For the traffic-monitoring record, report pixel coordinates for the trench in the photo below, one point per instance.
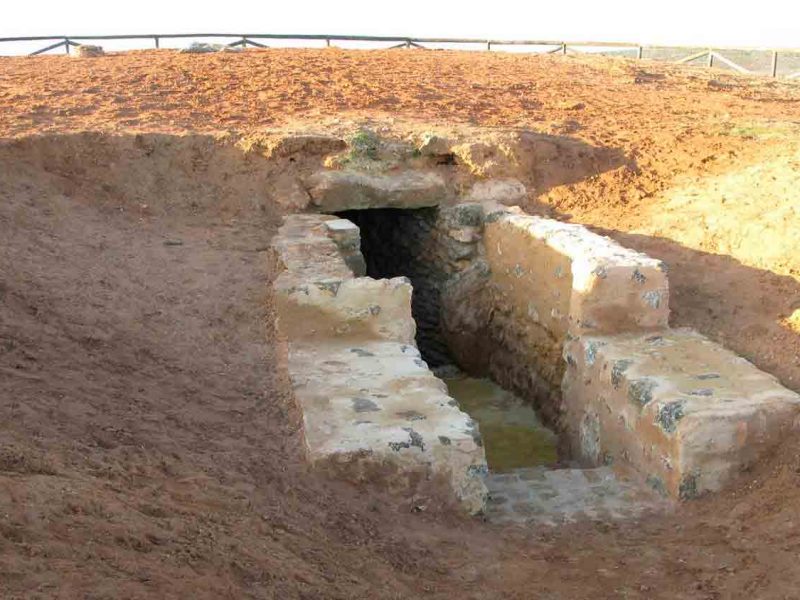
(414, 243)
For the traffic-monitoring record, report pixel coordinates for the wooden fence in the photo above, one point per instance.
(710, 56)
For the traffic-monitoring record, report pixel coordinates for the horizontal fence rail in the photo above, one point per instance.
(710, 56)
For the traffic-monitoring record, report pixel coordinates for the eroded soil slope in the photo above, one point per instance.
(146, 446)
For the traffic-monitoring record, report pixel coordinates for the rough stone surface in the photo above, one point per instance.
(333, 191)
(538, 281)
(372, 409)
(502, 191)
(550, 280)
(88, 51)
(684, 412)
(205, 48)
(543, 496)
(308, 144)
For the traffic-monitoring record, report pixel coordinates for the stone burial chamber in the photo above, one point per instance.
(373, 303)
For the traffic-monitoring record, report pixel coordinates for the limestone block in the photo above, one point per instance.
(502, 191)
(347, 237)
(333, 191)
(356, 309)
(375, 412)
(571, 279)
(684, 412)
(88, 51)
(372, 409)
(301, 237)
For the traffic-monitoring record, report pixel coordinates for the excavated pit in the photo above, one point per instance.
(431, 250)
(515, 312)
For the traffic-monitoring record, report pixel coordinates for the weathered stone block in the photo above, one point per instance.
(550, 280)
(375, 412)
(684, 412)
(372, 410)
(333, 191)
(579, 281)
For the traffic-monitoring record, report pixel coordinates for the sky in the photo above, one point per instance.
(766, 23)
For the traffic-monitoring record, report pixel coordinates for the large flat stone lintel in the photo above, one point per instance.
(333, 191)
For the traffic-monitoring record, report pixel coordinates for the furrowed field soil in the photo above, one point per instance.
(147, 445)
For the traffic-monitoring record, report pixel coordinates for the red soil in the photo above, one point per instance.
(146, 446)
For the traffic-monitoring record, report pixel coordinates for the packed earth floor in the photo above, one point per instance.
(148, 447)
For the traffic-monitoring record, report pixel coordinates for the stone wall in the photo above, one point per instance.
(372, 409)
(535, 284)
(565, 318)
(682, 411)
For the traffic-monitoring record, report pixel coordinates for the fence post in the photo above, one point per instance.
(639, 52)
(158, 45)
(66, 45)
(774, 63)
(489, 46)
(564, 48)
(710, 58)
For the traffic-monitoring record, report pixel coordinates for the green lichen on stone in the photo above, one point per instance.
(652, 298)
(657, 484)
(329, 286)
(361, 405)
(618, 369)
(640, 392)
(466, 214)
(414, 440)
(669, 415)
(361, 352)
(591, 351)
(688, 487)
(411, 415)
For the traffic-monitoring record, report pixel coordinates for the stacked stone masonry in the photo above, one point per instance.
(567, 319)
(684, 412)
(372, 410)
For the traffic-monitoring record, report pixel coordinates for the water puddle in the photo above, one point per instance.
(513, 436)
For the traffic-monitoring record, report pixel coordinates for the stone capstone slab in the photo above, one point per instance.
(333, 191)
(681, 410)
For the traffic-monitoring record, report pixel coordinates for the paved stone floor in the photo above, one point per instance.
(539, 495)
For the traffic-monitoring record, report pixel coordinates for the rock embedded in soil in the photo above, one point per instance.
(333, 191)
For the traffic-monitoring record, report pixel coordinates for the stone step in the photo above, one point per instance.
(543, 496)
(682, 411)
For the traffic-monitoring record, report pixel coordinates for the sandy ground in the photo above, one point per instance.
(146, 447)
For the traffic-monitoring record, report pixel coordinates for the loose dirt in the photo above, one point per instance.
(147, 445)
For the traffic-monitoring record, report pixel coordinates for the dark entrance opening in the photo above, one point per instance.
(402, 242)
